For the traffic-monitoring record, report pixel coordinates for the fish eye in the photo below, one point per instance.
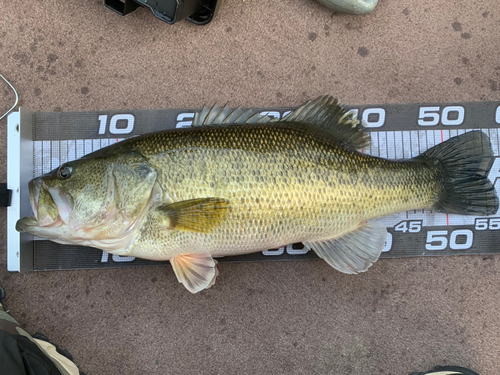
(64, 172)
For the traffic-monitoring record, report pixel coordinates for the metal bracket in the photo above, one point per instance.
(19, 172)
(17, 97)
(6, 194)
(200, 12)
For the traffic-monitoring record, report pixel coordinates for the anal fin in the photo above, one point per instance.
(195, 271)
(355, 251)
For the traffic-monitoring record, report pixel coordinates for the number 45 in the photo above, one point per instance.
(409, 226)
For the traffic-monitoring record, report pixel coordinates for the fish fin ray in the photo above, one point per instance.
(217, 115)
(355, 251)
(200, 116)
(226, 110)
(465, 162)
(234, 115)
(195, 271)
(195, 215)
(327, 113)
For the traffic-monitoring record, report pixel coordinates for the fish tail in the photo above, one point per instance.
(463, 164)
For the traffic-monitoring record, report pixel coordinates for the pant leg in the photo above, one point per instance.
(10, 326)
(51, 351)
(8, 323)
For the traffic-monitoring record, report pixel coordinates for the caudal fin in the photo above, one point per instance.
(464, 162)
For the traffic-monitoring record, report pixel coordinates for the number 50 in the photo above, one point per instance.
(438, 239)
(430, 116)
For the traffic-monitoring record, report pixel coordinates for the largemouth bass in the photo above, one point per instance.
(238, 182)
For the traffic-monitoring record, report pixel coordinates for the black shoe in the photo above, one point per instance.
(447, 370)
(2, 297)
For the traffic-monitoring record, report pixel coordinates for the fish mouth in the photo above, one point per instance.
(51, 205)
(34, 189)
(31, 225)
(26, 223)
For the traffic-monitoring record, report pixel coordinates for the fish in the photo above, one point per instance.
(239, 182)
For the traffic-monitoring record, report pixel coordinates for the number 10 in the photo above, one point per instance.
(113, 128)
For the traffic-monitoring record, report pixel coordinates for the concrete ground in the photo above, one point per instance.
(274, 318)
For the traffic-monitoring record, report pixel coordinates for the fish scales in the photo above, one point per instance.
(238, 182)
(285, 183)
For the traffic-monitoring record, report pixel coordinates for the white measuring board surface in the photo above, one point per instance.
(398, 131)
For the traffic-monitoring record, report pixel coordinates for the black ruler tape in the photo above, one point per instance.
(409, 237)
(390, 117)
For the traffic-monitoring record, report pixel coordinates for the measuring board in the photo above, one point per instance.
(40, 141)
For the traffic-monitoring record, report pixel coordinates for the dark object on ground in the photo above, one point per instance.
(200, 12)
(2, 297)
(5, 196)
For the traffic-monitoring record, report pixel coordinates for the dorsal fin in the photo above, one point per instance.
(218, 115)
(327, 113)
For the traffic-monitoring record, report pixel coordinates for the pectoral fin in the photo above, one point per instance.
(195, 215)
(355, 251)
(195, 271)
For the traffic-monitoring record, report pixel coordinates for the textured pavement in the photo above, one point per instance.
(280, 317)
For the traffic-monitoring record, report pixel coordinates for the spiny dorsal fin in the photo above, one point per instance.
(327, 113)
(218, 115)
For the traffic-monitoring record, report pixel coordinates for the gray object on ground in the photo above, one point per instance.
(447, 370)
(350, 6)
